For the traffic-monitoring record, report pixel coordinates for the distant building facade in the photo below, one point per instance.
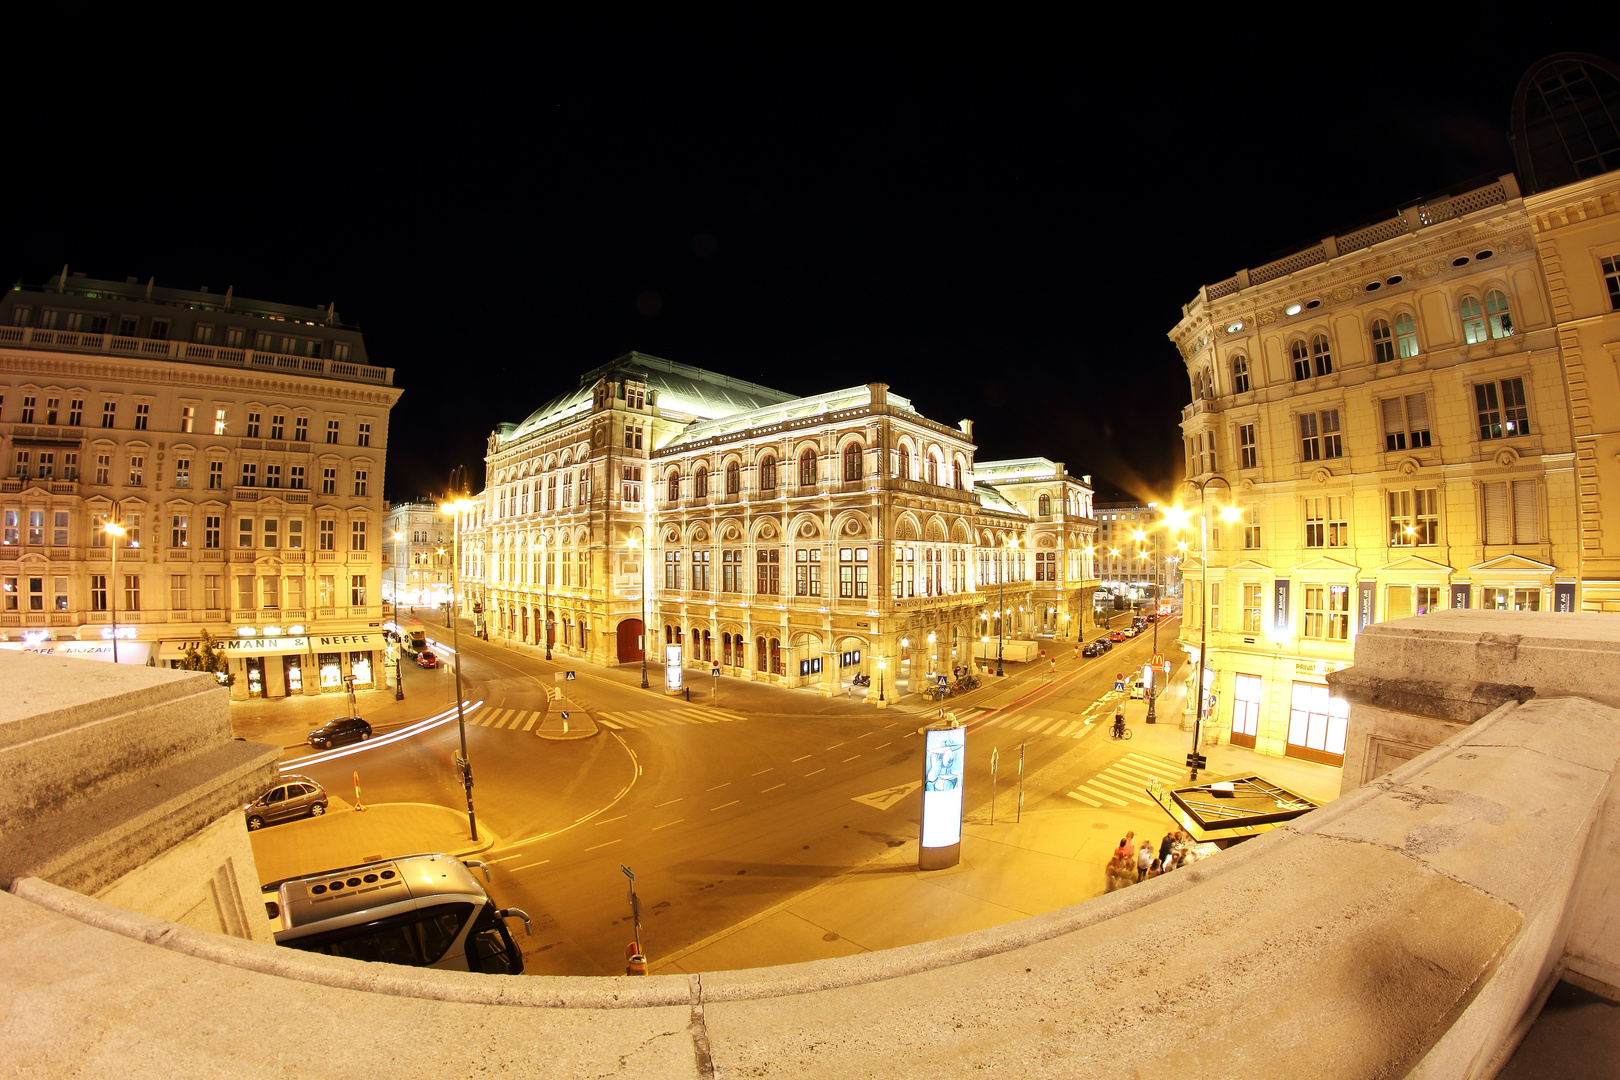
(1135, 555)
(794, 540)
(416, 537)
(240, 444)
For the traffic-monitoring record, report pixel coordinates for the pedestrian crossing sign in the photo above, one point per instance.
(1119, 684)
(715, 671)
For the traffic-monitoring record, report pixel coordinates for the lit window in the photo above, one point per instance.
(1502, 416)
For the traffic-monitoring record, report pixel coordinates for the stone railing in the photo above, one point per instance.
(28, 337)
(1409, 928)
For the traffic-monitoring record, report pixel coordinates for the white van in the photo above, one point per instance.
(422, 910)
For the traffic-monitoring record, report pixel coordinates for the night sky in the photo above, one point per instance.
(1000, 219)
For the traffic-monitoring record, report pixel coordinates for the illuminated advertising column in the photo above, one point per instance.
(672, 669)
(943, 761)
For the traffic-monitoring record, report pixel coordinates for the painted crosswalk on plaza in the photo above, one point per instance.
(510, 719)
(649, 718)
(1125, 782)
(1062, 727)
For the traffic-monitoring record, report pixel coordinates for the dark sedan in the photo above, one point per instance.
(345, 729)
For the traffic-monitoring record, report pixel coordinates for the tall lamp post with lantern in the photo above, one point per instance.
(116, 531)
(455, 508)
(1001, 615)
(1228, 513)
(399, 637)
(633, 542)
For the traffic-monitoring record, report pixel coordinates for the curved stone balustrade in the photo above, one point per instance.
(1407, 929)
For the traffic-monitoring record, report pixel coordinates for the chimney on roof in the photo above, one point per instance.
(880, 393)
(132, 281)
(228, 290)
(149, 283)
(1086, 479)
(203, 289)
(1059, 472)
(966, 426)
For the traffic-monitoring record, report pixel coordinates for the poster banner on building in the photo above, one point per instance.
(1279, 607)
(1365, 612)
(1459, 594)
(672, 669)
(1563, 596)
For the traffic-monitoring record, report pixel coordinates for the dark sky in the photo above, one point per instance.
(999, 218)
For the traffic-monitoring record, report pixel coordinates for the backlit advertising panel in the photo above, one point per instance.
(672, 669)
(942, 796)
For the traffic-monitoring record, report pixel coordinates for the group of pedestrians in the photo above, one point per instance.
(1132, 863)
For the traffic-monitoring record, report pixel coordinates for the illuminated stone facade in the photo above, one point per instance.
(795, 540)
(1386, 413)
(240, 443)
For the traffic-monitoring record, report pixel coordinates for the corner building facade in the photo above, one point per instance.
(793, 540)
(240, 444)
(1386, 412)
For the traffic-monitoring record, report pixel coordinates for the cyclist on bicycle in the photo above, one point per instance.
(1119, 725)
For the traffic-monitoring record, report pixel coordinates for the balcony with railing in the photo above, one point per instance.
(29, 337)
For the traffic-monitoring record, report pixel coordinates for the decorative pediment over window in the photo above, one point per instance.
(1413, 564)
(1511, 564)
(1322, 474)
(1248, 565)
(1324, 565)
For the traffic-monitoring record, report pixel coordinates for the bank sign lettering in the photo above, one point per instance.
(1279, 621)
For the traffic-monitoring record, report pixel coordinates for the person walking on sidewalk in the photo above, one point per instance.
(1165, 847)
(1144, 859)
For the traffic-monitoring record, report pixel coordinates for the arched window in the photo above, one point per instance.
(852, 461)
(957, 475)
(700, 484)
(1240, 374)
(1498, 315)
(1322, 354)
(767, 473)
(933, 469)
(674, 488)
(733, 478)
(905, 462)
(1301, 355)
(776, 657)
(1198, 385)
(1383, 341)
(1209, 384)
(807, 468)
(1406, 342)
(759, 651)
(1473, 319)
(1045, 504)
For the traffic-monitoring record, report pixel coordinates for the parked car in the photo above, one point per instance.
(1117, 635)
(427, 658)
(1138, 691)
(293, 796)
(345, 729)
(1091, 648)
(1103, 644)
(1153, 616)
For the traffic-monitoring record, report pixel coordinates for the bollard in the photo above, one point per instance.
(634, 962)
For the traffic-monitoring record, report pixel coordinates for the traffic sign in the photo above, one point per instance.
(941, 682)
(1197, 761)
(625, 870)
(564, 715)
(570, 676)
(715, 671)
(1119, 684)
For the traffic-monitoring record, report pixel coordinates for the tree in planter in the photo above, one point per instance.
(209, 658)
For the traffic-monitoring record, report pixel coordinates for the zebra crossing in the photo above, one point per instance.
(508, 719)
(1124, 783)
(1061, 727)
(649, 718)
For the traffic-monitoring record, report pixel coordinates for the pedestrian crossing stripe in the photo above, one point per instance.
(1062, 727)
(509, 719)
(648, 718)
(1125, 782)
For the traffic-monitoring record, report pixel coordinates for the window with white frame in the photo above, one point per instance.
(1325, 612)
(1501, 408)
(1510, 599)
(1253, 603)
(630, 490)
(1406, 422)
(1251, 528)
(1414, 517)
(1320, 437)
(1321, 355)
(1248, 450)
(1240, 374)
(1485, 321)
(1512, 511)
(1383, 341)
(1326, 524)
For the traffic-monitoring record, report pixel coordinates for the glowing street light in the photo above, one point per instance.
(116, 531)
(455, 509)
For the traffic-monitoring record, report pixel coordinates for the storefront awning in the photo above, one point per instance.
(129, 652)
(1230, 809)
(235, 646)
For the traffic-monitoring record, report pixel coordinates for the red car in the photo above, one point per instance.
(427, 659)
(1118, 635)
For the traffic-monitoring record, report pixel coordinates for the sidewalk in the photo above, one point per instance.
(344, 836)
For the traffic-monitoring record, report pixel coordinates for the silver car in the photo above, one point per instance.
(294, 797)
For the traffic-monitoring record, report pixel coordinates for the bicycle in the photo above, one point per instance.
(1121, 732)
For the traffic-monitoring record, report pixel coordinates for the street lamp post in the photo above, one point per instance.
(882, 666)
(116, 531)
(633, 542)
(1229, 513)
(455, 510)
(399, 638)
(1001, 615)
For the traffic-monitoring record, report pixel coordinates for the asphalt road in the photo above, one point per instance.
(721, 813)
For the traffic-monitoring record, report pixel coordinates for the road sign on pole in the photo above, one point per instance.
(627, 872)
